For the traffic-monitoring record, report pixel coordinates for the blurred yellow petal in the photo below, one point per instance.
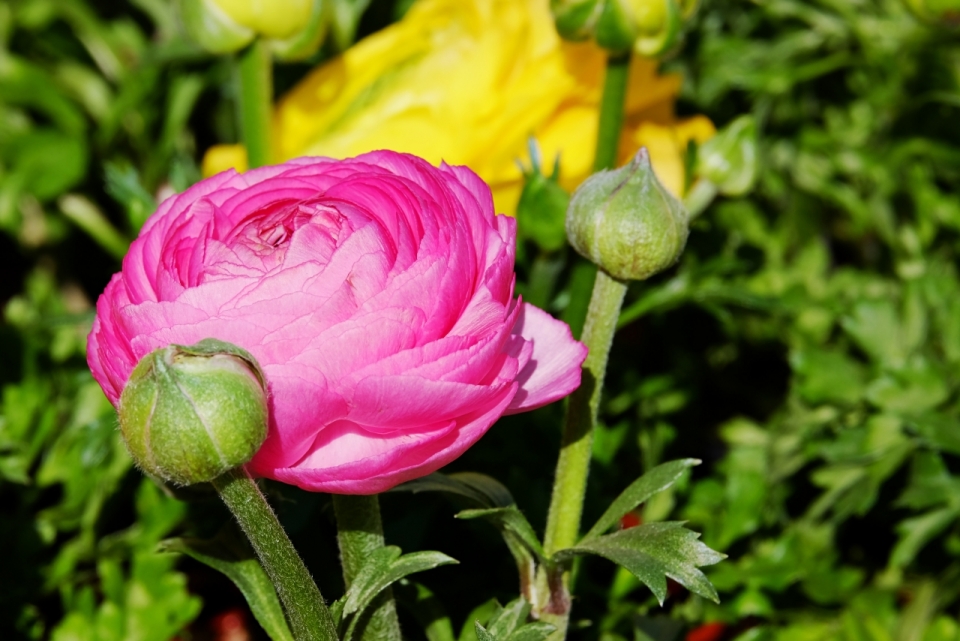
(667, 145)
(468, 82)
(223, 157)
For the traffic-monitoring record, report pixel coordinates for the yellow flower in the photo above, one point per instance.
(468, 81)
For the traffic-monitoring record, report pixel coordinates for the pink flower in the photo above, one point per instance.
(377, 295)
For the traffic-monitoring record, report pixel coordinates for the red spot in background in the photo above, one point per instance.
(230, 625)
(630, 519)
(707, 632)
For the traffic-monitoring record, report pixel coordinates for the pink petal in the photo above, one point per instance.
(554, 367)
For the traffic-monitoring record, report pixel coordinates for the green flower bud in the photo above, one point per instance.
(729, 159)
(294, 28)
(189, 414)
(575, 19)
(211, 28)
(651, 27)
(543, 205)
(626, 222)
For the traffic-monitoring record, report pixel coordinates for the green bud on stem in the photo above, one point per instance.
(729, 159)
(294, 29)
(575, 19)
(626, 222)
(189, 414)
(650, 27)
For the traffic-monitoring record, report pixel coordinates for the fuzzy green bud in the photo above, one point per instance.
(626, 222)
(575, 19)
(729, 159)
(189, 414)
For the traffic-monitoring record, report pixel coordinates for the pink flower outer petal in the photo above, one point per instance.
(554, 367)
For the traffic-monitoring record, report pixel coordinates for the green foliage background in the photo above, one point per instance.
(807, 347)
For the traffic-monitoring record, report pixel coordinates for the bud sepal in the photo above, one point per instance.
(190, 413)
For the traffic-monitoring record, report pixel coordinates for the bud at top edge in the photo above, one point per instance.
(190, 413)
(575, 19)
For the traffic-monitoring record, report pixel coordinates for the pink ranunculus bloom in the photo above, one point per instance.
(377, 295)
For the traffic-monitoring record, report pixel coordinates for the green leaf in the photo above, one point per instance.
(124, 185)
(230, 554)
(510, 624)
(509, 618)
(542, 208)
(482, 613)
(918, 531)
(653, 552)
(512, 521)
(484, 491)
(423, 604)
(536, 631)
(656, 480)
(384, 567)
(482, 634)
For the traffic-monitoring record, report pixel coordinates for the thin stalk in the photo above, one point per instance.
(255, 72)
(566, 504)
(611, 111)
(309, 617)
(360, 532)
(573, 466)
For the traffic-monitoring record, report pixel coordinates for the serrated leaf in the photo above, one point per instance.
(512, 520)
(654, 551)
(482, 634)
(483, 490)
(384, 567)
(509, 618)
(230, 555)
(656, 480)
(510, 624)
(536, 631)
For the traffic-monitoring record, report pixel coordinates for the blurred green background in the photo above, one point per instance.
(807, 346)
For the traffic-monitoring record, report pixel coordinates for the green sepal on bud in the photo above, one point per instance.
(626, 222)
(576, 19)
(542, 208)
(210, 27)
(650, 27)
(294, 29)
(189, 414)
(729, 159)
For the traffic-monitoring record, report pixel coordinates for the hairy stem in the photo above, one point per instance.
(309, 617)
(360, 532)
(573, 466)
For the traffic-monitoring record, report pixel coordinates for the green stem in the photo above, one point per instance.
(255, 70)
(309, 618)
(611, 111)
(360, 532)
(566, 504)
(573, 466)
